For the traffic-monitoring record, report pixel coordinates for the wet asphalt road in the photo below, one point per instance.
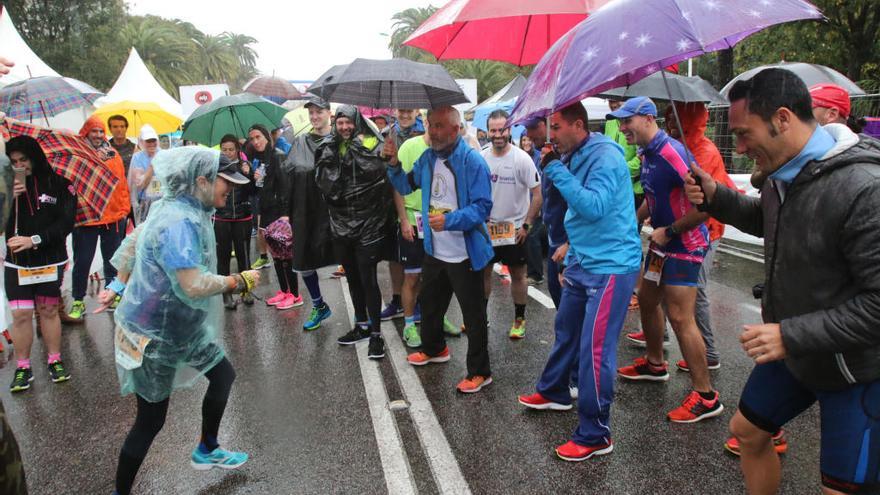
(300, 408)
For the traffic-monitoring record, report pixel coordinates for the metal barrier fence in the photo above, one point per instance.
(718, 131)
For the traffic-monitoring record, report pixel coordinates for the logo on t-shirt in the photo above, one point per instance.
(439, 187)
(45, 198)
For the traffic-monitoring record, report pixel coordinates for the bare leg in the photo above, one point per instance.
(519, 286)
(410, 292)
(22, 332)
(653, 320)
(680, 307)
(759, 462)
(50, 327)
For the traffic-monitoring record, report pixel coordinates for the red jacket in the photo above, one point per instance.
(694, 117)
(119, 204)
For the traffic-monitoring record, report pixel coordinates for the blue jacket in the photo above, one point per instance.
(554, 212)
(601, 217)
(474, 192)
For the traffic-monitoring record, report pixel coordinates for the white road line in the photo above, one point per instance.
(750, 307)
(542, 298)
(395, 465)
(533, 292)
(444, 466)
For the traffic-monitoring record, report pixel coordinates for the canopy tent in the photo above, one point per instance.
(510, 91)
(136, 83)
(27, 63)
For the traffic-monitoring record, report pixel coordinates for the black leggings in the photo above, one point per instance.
(233, 235)
(360, 263)
(287, 279)
(151, 418)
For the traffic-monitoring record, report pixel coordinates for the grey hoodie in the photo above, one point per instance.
(822, 261)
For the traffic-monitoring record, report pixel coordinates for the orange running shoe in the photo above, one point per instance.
(573, 452)
(780, 444)
(696, 408)
(473, 384)
(421, 359)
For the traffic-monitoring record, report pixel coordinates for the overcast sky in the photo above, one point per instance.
(298, 39)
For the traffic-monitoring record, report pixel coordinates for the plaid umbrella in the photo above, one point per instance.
(395, 83)
(73, 158)
(41, 97)
(272, 87)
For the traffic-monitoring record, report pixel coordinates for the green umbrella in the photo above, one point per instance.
(231, 115)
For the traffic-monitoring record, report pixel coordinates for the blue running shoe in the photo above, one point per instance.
(417, 313)
(392, 311)
(220, 458)
(318, 314)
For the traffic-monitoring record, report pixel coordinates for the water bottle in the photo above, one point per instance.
(261, 170)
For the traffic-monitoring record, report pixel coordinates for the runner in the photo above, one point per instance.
(516, 203)
(141, 183)
(457, 244)
(41, 218)
(602, 266)
(118, 125)
(672, 266)
(169, 322)
(312, 239)
(821, 333)
(351, 175)
(232, 221)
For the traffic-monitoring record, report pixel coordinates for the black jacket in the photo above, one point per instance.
(238, 203)
(275, 193)
(48, 209)
(355, 186)
(822, 261)
(309, 218)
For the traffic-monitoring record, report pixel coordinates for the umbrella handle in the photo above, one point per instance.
(700, 207)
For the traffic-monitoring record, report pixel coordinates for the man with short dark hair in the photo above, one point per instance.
(118, 125)
(602, 265)
(456, 203)
(820, 340)
(672, 265)
(516, 202)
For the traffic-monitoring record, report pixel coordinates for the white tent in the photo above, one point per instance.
(136, 83)
(12, 46)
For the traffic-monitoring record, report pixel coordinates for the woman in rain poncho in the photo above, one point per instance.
(170, 317)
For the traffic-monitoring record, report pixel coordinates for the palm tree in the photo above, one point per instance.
(405, 23)
(167, 53)
(241, 46)
(217, 59)
(491, 76)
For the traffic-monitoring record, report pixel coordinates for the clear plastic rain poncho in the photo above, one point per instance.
(170, 319)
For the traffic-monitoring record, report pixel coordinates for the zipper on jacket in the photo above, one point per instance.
(482, 227)
(844, 370)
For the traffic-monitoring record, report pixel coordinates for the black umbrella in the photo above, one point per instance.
(811, 74)
(396, 83)
(680, 88)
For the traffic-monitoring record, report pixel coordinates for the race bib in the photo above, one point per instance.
(438, 210)
(502, 233)
(420, 225)
(656, 260)
(155, 188)
(129, 348)
(43, 274)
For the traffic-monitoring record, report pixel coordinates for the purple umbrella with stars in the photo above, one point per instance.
(627, 40)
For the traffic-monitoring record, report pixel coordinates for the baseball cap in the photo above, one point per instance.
(830, 96)
(147, 133)
(314, 100)
(640, 105)
(229, 170)
(533, 122)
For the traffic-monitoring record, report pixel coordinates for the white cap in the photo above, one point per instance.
(147, 133)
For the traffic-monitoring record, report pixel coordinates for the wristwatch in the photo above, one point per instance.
(36, 240)
(671, 231)
(526, 227)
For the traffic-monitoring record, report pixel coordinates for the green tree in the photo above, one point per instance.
(78, 39)
(166, 50)
(217, 59)
(405, 24)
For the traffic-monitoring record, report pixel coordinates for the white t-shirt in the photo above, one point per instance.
(448, 245)
(513, 177)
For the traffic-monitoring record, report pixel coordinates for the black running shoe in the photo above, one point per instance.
(377, 347)
(356, 335)
(21, 380)
(57, 372)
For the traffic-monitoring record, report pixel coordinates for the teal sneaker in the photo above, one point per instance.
(220, 458)
(411, 336)
(450, 328)
(318, 314)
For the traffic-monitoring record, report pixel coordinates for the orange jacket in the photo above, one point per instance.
(119, 204)
(694, 117)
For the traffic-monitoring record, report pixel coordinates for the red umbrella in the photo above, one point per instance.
(515, 31)
(73, 158)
